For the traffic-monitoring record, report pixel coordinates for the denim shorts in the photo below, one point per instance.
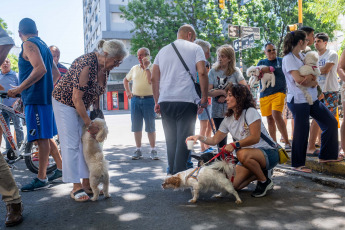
(203, 116)
(143, 109)
(271, 156)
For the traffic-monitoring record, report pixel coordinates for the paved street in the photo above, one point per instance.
(138, 201)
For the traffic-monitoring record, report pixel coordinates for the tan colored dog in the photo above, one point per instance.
(94, 158)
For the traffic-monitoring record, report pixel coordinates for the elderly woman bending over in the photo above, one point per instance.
(243, 122)
(81, 86)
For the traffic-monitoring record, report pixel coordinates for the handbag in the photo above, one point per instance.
(283, 156)
(196, 84)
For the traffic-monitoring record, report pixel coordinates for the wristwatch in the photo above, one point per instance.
(237, 144)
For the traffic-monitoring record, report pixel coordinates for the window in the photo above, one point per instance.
(116, 18)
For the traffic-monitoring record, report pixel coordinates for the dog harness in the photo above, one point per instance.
(192, 174)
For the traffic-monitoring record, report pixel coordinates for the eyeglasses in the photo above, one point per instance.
(269, 50)
(117, 62)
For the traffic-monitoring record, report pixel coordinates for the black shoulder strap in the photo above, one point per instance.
(184, 64)
(262, 135)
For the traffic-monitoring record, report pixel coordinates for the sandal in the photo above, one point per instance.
(340, 158)
(302, 169)
(314, 154)
(77, 196)
(89, 192)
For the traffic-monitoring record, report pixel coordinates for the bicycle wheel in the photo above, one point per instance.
(32, 162)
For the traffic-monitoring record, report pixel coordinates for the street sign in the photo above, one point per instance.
(236, 45)
(248, 41)
(243, 2)
(246, 30)
(233, 31)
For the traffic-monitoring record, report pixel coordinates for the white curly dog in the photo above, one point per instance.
(310, 67)
(267, 79)
(94, 158)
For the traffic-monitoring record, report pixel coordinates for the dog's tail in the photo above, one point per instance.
(222, 165)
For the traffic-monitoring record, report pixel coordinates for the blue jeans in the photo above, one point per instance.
(143, 109)
(326, 121)
(18, 127)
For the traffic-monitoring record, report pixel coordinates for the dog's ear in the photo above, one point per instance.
(198, 158)
(102, 133)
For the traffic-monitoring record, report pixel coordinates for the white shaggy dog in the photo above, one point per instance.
(310, 67)
(94, 158)
(267, 80)
(211, 177)
(251, 71)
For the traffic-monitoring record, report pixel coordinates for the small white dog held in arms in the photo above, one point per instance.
(94, 158)
(310, 67)
(253, 79)
(212, 177)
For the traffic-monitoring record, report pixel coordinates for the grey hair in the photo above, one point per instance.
(114, 48)
(147, 51)
(204, 44)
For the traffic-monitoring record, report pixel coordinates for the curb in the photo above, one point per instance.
(322, 179)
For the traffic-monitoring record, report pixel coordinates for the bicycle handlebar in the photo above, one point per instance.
(3, 94)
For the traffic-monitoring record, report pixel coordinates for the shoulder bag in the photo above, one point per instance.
(196, 84)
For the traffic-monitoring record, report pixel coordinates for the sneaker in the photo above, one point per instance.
(154, 155)
(287, 148)
(209, 150)
(262, 188)
(36, 184)
(137, 155)
(56, 175)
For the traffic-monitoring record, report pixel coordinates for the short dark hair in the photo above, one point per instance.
(323, 36)
(307, 29)
(27, 26)
(269, 43)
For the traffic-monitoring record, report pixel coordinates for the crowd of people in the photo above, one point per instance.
(57, 101)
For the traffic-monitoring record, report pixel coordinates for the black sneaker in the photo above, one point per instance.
(262, 188)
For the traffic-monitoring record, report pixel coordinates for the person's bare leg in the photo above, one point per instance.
(278, 118)
(43, 149)
(54, 151)
(342, 130)
(152, 139)
(208, 132)
(203, 127)
(272, 127)
(292, 127)
(314, 130)
(137, 137)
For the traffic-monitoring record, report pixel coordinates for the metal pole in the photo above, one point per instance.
(300, 13)
(240, 48)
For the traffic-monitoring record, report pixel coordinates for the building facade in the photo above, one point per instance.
(102, 20)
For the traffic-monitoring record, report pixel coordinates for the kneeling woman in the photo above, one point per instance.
(243, 122)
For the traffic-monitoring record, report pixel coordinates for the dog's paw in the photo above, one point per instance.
(238, 201)
(192, 201)
(107, 195)
(94, 198)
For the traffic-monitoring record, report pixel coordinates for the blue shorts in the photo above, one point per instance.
(271, 156)
(143, 109)
(203, 116)
(40, 123)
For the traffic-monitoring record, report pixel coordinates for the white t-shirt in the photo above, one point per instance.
(239, 129)
(291, 62)
(175, 82)
(329, 82)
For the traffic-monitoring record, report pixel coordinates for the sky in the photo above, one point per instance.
(59, 22)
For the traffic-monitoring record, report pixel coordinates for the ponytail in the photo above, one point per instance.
(291, 40)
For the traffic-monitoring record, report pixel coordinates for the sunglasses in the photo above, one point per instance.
(269, 50)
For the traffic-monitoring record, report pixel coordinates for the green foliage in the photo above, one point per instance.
(157, 21)
(14, 62)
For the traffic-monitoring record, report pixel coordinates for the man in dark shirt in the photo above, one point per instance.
(272, 99)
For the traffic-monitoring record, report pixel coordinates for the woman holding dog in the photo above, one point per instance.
(223, 72)
(294, 43)
(81, 86)
(255, 155)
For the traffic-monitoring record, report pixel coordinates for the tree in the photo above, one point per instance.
(156, 21)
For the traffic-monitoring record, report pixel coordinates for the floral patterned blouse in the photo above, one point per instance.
(64, 89)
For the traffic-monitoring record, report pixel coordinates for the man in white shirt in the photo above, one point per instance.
(175, 95)
(328, 81)
(142, 103)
